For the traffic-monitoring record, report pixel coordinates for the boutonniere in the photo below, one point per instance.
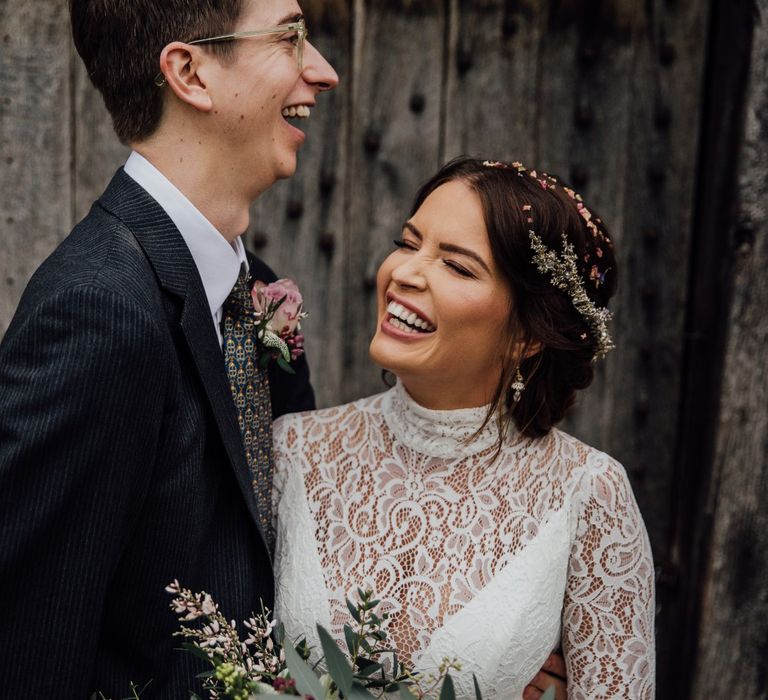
(279, 313)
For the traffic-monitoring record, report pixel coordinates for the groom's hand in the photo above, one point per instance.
(552, 673)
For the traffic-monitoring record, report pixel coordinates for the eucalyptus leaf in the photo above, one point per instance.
(447, 692)
(478, 694)
(353, 611)
(306, 680)
(336, 662)
(350, 638)
(549, 694)
(366, 667)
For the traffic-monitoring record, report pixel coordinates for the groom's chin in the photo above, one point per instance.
(286, 168)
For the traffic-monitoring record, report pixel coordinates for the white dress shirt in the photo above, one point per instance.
(217, 261)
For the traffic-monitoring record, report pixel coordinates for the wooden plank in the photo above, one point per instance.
(97, 150)
(492, 82)
(632, 126)
(300, 225)
(394, 146)
(627, 141)
(732, 639)
(35, 126)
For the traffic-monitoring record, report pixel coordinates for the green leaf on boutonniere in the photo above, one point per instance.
(283, 365)
(447, 692)
(306, 680)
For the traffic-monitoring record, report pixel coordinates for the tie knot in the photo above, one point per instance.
(240, 296)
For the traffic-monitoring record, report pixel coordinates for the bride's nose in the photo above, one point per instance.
(409, 273)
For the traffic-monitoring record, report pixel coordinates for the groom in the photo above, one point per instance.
(121, 457)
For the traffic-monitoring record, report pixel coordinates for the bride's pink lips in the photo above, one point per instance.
(388, 329)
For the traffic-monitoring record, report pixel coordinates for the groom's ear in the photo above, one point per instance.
(184, 69)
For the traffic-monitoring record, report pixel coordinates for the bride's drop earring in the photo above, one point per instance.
(518, 386)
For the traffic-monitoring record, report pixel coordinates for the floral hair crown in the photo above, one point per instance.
(563, 266)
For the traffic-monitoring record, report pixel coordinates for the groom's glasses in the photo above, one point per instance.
(299, 27)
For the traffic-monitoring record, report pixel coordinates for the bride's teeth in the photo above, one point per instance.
(302, 111)
(407, 320)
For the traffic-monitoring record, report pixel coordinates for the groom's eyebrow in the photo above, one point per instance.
(450, 247)
(289, 19)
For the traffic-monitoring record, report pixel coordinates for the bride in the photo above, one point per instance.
(490, 535)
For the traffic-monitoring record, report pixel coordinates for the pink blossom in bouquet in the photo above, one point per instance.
(286, 318)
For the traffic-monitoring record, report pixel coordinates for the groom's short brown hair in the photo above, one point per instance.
(120, 43)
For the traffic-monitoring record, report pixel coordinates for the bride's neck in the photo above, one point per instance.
(440, 396)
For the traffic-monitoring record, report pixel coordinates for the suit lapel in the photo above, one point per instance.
(176, 271)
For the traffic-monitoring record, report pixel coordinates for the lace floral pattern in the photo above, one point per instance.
(543, 545)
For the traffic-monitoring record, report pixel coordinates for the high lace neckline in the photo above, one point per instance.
(438, 433)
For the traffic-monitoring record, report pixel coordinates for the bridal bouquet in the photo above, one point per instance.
(265, 664)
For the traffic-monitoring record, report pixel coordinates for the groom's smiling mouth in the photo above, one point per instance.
(300, 111)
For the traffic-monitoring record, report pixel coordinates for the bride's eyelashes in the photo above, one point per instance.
(458, 268)
(404, 244)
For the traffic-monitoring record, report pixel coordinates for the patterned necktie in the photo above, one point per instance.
(249, 384)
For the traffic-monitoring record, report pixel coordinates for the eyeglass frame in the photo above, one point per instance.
(299, 26)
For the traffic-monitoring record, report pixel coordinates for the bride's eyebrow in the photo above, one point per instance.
(450, 247)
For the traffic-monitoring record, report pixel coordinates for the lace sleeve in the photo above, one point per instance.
(608, 613)
(284, 436)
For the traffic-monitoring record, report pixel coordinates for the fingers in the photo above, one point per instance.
(555, 664)
(531, 693)
(541, 682)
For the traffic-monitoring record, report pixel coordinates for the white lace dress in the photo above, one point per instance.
(494, 563)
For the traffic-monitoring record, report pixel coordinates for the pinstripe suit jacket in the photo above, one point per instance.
(121, 462)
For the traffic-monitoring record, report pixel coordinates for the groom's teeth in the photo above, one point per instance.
(406, 319)
(300, 111)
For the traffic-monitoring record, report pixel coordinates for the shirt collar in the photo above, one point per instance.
(217, 261)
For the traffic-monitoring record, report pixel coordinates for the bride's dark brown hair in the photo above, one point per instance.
(542, 319)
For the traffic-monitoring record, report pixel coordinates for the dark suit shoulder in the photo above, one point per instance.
(99, 253)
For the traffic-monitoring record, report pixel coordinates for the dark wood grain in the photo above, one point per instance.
(35, 141)
(301, 226)
(393, 148)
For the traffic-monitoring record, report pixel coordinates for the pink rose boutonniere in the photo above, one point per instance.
(279, 312)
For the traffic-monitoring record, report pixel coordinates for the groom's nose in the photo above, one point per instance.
(317, 71)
